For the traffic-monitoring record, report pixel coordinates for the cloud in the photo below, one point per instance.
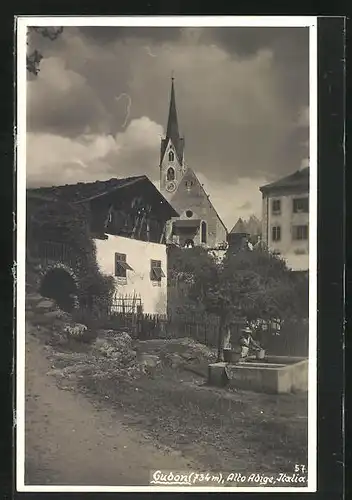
(246, 41)
(237, 98)
(59, 160)
(60, 101)
(108, 34)
(231, 199)
(53, 159)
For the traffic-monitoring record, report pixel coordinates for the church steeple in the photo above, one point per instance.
(172, 130)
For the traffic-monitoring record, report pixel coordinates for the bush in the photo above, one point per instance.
(96, 289)
(68, 224)
(255, 285)
(185, 266)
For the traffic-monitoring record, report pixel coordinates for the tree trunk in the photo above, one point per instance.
(220, 339)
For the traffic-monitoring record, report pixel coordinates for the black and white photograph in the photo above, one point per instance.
(166, 254)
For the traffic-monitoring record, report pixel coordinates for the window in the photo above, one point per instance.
(189, 184)
(156, 273)
(189, 244)
(301, 205)
(189, 213)
(203, 232)
(276, 233)
(300, 232)
(171, 156)
(121, 265)
(276, 207)
(170, 175)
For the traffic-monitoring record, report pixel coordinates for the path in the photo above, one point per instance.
(70, 442)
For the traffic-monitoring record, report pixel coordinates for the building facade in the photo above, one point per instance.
(285, 219)
(139, 268)
(198, 223)
(127, 219)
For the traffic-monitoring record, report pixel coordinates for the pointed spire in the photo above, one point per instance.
(172, 131)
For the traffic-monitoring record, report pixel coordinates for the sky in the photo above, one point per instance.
(98, 107)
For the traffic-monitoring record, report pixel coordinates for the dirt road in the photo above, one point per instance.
(70, 442)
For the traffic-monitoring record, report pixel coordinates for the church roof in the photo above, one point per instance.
(172, 130)
(299, 179)
(190, 172)
(239, 227)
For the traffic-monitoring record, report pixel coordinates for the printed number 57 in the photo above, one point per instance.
(300, 468)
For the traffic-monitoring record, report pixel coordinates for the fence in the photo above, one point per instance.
(126, 304)
(150, 326)
(290, 340)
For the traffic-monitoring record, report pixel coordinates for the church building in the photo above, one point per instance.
(198, 223)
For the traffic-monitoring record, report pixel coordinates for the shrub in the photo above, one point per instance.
(65, 223)
(251, 285)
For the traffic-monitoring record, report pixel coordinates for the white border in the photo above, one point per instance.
(177, 21)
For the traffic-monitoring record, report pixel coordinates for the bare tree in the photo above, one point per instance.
(34, 58)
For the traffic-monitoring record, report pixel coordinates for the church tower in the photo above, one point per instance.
(172, 166)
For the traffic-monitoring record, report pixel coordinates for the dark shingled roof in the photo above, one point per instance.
(32, 195)
(297, 179)
(239, 227)
(83, 191)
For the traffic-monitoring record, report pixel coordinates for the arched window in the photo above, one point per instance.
(203, 230)
(170, 175)
(189, 244)
(171, 156)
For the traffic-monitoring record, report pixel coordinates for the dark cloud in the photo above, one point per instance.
(247, 41)
(110, 34)
(69, 115)
(288, 45)
(290, 48)
(237, 104)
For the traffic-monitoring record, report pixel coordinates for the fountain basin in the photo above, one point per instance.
(274, 374)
